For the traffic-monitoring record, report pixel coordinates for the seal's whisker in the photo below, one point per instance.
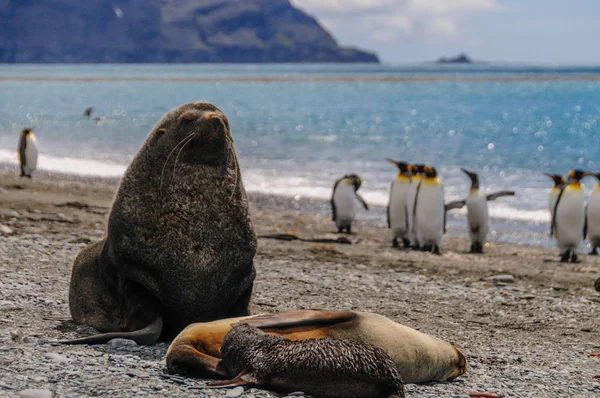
(179, 153)
(162, 174)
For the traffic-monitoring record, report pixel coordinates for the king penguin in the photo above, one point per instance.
(430, 213)
(477, 211)
(28, 152)
(397, 209)
(342, 201)
(593, 217)
(568, 217)
(559, 181)
(416, 171)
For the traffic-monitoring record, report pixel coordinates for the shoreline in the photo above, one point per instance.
(306, 79)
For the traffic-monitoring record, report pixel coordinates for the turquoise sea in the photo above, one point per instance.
(297, 128)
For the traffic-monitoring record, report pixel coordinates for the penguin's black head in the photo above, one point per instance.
(417, 168)
(27, 130)
(559, 180)
(474, 178)
(430, 172)
(402, 166)
(356, 181)
(577, 175)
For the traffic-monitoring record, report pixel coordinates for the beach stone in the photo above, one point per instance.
(501, 278)
(35, 393)
(236, 392)
(16, 335)
(55, 357)
(121, 343)
(4, 230)
(296, 394)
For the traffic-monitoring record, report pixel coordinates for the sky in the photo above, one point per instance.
(545, 32)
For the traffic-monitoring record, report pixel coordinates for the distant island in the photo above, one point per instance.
(459, 59)
(136, 31)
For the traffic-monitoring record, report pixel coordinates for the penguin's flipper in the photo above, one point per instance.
(445, 216)
(389, 202)
(22, 146)
(499, 194)
(361, 200)
(333, 210)
(553, 221)
(457, 204)
(585, 223)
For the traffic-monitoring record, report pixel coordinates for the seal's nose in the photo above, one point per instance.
(216, 125)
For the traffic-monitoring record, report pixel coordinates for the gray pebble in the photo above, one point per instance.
(296, 394)
(502, 278)
(236, 392)
(16, 335)
(4, 230)
(33, 393)
(55, 357)
(121, 343)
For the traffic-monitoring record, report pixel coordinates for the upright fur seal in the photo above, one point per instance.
(180, 243)
(418, 357)
(323, 368)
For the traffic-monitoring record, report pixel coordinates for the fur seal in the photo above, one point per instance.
(418, 357)
(323, 368)
(597, 285)
(180, 244)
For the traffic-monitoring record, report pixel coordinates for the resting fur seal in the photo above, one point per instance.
(180, 243)
(323, 368)
(419, 357)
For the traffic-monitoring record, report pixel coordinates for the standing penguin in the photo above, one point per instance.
(416, 171)
(28, 152)
(559, 181)
(593, 217)
(430, 213)
(342, 201)
(568, 217)
(397, 209)
(477, 211)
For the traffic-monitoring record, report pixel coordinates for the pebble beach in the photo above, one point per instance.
(527, 324)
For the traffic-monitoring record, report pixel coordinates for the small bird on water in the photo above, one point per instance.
(28, 152)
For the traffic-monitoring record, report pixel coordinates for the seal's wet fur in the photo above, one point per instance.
(180, 243)
(323, 368)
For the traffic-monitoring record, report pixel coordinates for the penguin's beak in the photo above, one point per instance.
(472, 176)
(393, 161)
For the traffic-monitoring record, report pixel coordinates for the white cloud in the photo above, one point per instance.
(389, 20)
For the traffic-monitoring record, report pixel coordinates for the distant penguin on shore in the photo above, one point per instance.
(28, 152)
(416, 171)
(568, 219)
(477, 211)
(592, 215)
(397, 209)
(88, 112)
(342, 201)
(559, 181)
(430, 212)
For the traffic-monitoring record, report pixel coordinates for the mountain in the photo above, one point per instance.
(459, 59)
(165, 31)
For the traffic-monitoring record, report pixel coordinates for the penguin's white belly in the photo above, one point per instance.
(593, 215)
(430, 215)
(477, 216)
(399, 209)
(31, 154)
(570, 218)
(344, 198)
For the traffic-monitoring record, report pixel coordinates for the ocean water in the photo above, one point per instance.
(300, 131)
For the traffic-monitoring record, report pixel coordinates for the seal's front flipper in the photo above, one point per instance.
(187, 359)
(146, 336)
(291, 319)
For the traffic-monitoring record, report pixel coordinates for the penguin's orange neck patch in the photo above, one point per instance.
(402, 177)
(432, 181)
